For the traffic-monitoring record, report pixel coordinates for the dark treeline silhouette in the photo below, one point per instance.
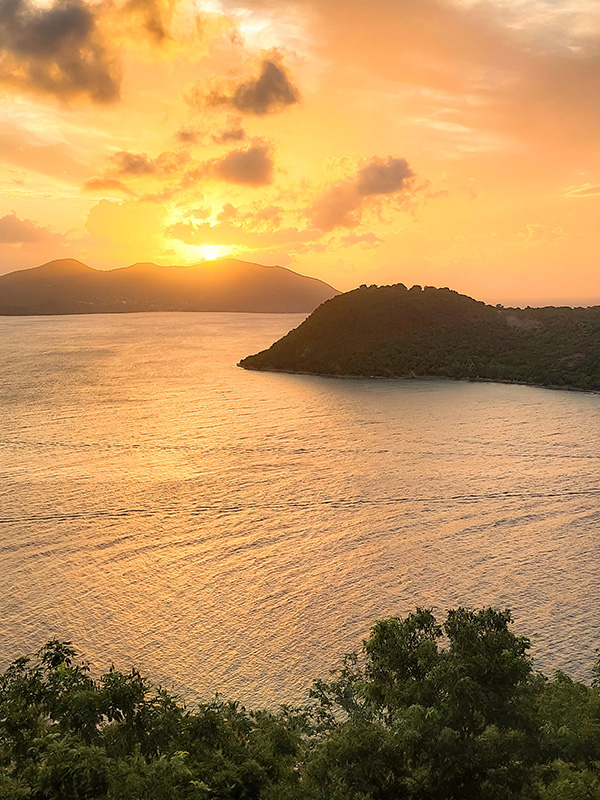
(424, 711)
(70, 287)
(392, 331)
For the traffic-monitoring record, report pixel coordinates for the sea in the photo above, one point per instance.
(236, 532)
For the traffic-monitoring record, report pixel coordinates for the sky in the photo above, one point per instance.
(439, 142)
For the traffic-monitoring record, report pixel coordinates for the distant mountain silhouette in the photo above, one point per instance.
(391, 331)
(67, 286)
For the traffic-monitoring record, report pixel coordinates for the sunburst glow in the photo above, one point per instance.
(204, 252)
(442, 142)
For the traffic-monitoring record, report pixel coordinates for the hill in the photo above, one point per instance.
(70, 287)
(392, 331)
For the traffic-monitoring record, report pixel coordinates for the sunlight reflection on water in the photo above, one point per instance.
(237, 531)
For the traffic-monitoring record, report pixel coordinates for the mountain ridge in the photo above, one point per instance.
(68, 286)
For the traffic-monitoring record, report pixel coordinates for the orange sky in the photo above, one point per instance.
(444, 142)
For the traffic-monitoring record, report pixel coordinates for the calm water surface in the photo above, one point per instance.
(233, 531)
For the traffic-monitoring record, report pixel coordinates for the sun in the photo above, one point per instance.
(203, 252)
(211, 251)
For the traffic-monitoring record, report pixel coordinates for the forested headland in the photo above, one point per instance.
(424, 711)
(392, 331)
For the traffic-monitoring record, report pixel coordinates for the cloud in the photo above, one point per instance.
(537, 233)
(133, 163)
(71, 48)
(136, 165)
(227, 213)
(188, 135)
(585, 190)
(270, 215)
(160, 197)
(501, 72)
(340, 206)
(128, 229)
(127, 220)
(366, 240)
(153, 16)
(56, 49)
(233, 133)
(24, 243)
(263, 218)
(382, 176)
(23, 231)
(253, 167)
(270, 92)
(228, 233)
(343, 204)
(106, 184)
(46, 156)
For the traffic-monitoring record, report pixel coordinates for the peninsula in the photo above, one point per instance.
(68, 286)
(392, 332)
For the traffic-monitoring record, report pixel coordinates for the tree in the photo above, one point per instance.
(449, 705)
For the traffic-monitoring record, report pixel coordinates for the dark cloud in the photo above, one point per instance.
(22, 231)
(136, 164)
(56, 50)
(270, 92)
(253, 166)
(235, 133)
(128, 167)
(188, 135)
(342, 205)
(127, 163)
(152, 15)
(382, 176)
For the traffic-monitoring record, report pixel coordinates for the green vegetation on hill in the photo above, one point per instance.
(392, 331)
(425, 711)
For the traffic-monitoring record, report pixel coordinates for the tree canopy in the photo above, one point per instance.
(425, 710)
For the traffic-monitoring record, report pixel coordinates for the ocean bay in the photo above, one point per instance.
(236, 532)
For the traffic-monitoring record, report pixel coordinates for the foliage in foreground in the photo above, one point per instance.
(425, 711)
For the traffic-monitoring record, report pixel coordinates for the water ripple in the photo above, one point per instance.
(235, 531)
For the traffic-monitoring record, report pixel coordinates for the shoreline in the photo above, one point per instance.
(342, 376)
